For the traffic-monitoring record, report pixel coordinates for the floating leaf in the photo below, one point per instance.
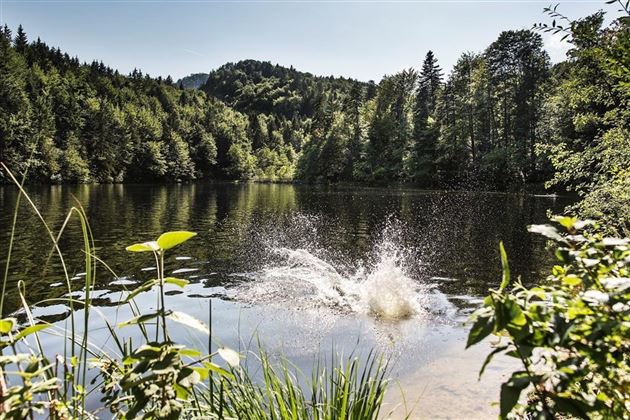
(169, 240)
(230, 356)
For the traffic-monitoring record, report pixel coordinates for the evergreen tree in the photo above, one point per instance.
(425, 132)
(21, 41)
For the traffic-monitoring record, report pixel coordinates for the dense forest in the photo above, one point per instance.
(502, 118)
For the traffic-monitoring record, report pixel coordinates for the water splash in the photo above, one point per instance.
(303, 278)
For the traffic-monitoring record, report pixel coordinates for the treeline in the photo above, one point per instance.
(480, 123)
(73, 122)
(500, 119)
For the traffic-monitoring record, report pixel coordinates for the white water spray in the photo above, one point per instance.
(299, 279)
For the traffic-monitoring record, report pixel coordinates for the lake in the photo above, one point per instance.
(305, 270)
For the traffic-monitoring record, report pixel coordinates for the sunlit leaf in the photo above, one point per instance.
(140, 319)
(202, 371)
(190, 352)
(189, 321)
(30, 330)
(7, 325)
(144, 247)
(176, 281)
(142, 288)
(547, 231)
(505, 267)
(169, 240)
(230, 356)
(213, 367)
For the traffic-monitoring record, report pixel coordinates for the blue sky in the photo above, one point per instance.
(359, 39)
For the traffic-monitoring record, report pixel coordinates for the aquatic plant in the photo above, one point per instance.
(149, 375)
(571, 333)
(342, 390)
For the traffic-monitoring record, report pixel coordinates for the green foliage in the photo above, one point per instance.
(158, 378)
(586, 127)
(341, 390)
(571, 333)
(501, 119)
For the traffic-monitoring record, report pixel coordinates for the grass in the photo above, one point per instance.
(343, 389)
(147, 374)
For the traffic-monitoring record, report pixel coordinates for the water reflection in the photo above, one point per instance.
(453, 237)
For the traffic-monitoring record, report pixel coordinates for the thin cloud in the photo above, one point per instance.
(198, 54)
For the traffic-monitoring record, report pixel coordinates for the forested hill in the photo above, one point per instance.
(501, 118)
(255, 87)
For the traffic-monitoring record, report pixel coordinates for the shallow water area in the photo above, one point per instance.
(305, 270)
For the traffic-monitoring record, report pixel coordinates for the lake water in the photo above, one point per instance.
(303, 269)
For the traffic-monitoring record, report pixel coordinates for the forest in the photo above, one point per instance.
(502, 119)
(375, 284)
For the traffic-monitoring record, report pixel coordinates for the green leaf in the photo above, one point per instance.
(570, 406)
(140, 319)
(147, 285)
(203, 372)
(571, 280)
(30, 330)
(169, 240)
(176, 281)
(190, 352)
(144, 247)
(505, 267)
(213, 367)
(516, 320)
(566, 221)
(511, 391)
(489, 358)
(483, 326)
(7, 325)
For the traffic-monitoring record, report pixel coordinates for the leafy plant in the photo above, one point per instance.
(570, 333)
(343, 389)
(159, 378)
(153, 379)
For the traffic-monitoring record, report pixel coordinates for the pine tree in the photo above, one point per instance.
(21, 41)
(425, 132)
(431, 79)
(5, 32)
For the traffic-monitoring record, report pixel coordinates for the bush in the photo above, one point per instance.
(570, 333)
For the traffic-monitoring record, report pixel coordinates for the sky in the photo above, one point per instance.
(360, 39)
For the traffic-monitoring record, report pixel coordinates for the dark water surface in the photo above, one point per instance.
(306, 268)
